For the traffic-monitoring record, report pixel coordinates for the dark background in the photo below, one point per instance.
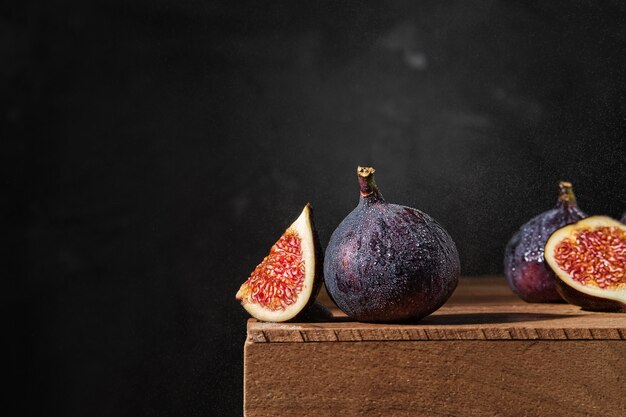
(153, 151)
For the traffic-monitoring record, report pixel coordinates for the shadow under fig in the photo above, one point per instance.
(489, 318)
(320, 313)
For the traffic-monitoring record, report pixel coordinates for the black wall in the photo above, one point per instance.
(153, 151)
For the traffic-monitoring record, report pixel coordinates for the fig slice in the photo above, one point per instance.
(589, 260)
(288, 279)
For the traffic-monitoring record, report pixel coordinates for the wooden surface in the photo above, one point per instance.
(480, 309)
(485, 353)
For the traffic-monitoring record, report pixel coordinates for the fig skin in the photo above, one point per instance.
(524, 265)
(623, 220)
(571, 295)
(588, 302)
(389, 263)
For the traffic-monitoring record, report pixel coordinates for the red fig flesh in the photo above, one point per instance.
(289, 278)
(589, 259)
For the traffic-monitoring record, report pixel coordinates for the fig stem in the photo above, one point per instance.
(367, 184)
(566, 193)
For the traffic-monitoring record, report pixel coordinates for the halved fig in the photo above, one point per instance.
(287, 281)
(589, 260)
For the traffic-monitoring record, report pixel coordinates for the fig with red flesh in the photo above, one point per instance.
(524, 264)
(389, 263)
(287, 281)
(589, 259)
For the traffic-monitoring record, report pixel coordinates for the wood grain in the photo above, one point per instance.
(442, 378)
(485, 353)
(481, 309)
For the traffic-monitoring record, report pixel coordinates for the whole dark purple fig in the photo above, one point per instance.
(389, 263)
(524, 265)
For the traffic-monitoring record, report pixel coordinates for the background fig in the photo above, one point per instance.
(387, 262)
(524, 265)
(287, 281)
(589, 259)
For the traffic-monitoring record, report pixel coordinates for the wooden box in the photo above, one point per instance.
(485, 353)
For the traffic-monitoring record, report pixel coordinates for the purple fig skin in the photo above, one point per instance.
(623, 220)
(524, 265)
(588, 302)
(389, 263)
